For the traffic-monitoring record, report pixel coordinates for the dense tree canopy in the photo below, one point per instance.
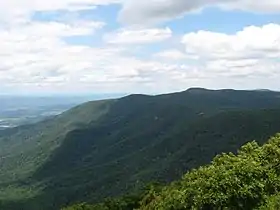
(248, 180)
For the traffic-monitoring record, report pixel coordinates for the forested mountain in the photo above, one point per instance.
(248, 180)
(108, 148)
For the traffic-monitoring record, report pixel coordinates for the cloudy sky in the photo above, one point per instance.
(131, 46)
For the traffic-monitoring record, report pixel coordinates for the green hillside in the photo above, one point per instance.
(108, 148)
(24, 149)
(248, 180)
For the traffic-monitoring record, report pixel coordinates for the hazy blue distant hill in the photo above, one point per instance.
(20, 110)
(110, 147)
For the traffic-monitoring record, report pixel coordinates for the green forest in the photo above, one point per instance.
(131, 153)
(248, 180)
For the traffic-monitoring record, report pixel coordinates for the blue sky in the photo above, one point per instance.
(122, 46)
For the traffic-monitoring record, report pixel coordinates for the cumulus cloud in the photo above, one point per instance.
(14, 11)
(174, 55)
(147, 12)
(140, 36)
(36, 56)
(254, 51)
(251, 42)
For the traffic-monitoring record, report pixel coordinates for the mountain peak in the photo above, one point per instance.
(198, 90)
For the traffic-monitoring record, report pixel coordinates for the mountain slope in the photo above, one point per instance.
(110, 147)
(25, 148)
(115, 170)
(248, 180)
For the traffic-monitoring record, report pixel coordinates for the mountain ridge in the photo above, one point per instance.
(106, 148)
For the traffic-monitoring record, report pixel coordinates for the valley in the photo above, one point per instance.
(21, 110)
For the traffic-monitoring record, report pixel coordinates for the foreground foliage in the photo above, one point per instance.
(248, 180)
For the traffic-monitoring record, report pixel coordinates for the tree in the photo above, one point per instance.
(242, 181)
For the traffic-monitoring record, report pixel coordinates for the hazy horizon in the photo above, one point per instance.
(113, 95)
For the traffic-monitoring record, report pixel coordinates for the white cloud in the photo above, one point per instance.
(147, 12)
(254, 51)
(173, 55)
(28, 6)
(138, 36)
(58, 29)
(251, 42)
(268, 6)
(15, 11)
(35, 56)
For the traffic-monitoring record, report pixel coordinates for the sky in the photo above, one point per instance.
(131, 46)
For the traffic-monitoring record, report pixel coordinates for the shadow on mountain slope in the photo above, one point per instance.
(143, 138)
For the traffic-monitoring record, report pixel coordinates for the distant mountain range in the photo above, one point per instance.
(111, 147)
